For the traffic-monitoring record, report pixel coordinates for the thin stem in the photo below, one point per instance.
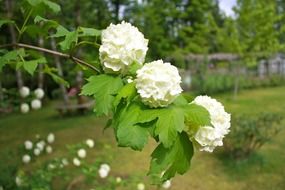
(24, 24)
(74, 59)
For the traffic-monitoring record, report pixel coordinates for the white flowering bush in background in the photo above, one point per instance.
(97, 172)
(35, 99)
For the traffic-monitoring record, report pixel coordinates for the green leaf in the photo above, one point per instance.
(128, 92)
(69, 40)
(196, 115)
(175, 159)
(103, 88)
(180, 101)
(88, 32)
(11, 56)
(53, 6)
(170, 121)
(30, 66)
(6, 21)
(129, 134)
(54, 76)
(60, 32)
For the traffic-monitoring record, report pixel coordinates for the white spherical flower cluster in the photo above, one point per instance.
(24, 92)
(90, 143)
(41, 145)
(28, 145)
(210, 137)
(118, 180)
(81, 153)
(76, 162)
(104, 170)
(166, 184)
(50, 138)
(39, 93)
(158, 83)
(37, 151)
(25, 108)
(26, 158)
(36, 104)
(18, 181)
(48, 149)
(140, 186)
(122, 45)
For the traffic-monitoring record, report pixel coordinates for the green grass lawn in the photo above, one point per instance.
(263, 171)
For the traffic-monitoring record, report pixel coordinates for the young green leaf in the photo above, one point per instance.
(196, 115)
(175, 159)
(82, 32)
(169, 122)
(30, 66)
(103, 88)
(128, 92)
(69, 40)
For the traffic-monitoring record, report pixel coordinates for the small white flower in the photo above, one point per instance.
(41, 145)
(25, 108)
(122, 45)
(26, 158)
(18, 181)
(166, 184)
(64, 161)
(81, 153)
(105, 167)
(129, 80)
(37, 151)
(158, 83)
(103, 173)
(90, 143)
(76, 162)
(48, 149)
(28, 145)
(50, 138)
(39, 93)
(118, 180)
(51, 166)
(140, 186)
(36, 104)
(24, 92)
(209, 137)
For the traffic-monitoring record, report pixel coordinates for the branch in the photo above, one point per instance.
(74, 59)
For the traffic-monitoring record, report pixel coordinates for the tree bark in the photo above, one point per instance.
(60, 73)
(40, 66)
(9, 8)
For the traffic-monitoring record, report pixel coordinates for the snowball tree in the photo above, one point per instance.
(143, 100)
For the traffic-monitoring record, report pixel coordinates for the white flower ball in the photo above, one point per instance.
(25, 108)
(103, 173)
(37, 151)
(105, 167)
(140, 186)
(64, 161)
(40, 145)
(39, 93)
(81, 153)
(210, 137)
(26, 158)
(166, 184)
(18, 181)
(76, 162)
(50, 138)
(36, 104)
(24, 92)
(51, 166)
(90, 143)
(122, 45)
(28, 145)
(158, 83)
(48, 149)
(118, 180)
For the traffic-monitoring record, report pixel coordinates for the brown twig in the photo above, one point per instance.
(74, 59)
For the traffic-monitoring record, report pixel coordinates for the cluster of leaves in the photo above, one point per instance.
(134, 123)
(250, 133)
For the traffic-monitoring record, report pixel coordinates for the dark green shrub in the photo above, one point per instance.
(250, 133)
